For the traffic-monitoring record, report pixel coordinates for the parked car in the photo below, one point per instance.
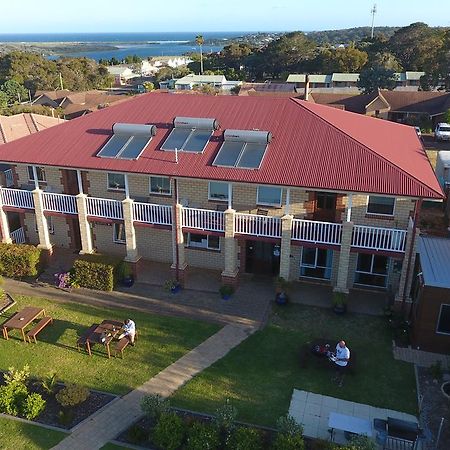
(442, 132)
(419, 133)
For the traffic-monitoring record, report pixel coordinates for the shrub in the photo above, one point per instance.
(48, 383)
(18, 261)
(225, 416)
(72, 395)
(154, 405)
(360, 443)
(12, 396)
(288, 442)
(32, 406)
(202, 436)
(137, 435)
(288, 425)
(245, 439)
(65, 416)
(168, 433)
(17, 376)
(436, 370)
(96, 272)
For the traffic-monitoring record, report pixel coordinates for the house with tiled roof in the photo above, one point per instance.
(260, 185)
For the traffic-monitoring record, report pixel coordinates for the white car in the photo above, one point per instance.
(442, 132)
(419, 133)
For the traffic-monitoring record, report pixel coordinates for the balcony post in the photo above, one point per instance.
(130, 233)
(41, 221)
(179, 260)
(4, 224)
(230, 272)
(85, 227)
(285, 254)
(344, 258)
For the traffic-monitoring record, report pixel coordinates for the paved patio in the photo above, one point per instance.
(313, 411)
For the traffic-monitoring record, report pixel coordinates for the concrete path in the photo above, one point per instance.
(110, 422)
(313, 411)
(420, 357)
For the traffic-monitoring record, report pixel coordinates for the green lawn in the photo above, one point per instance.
(260, 374)
(16, 435)
(162, 340)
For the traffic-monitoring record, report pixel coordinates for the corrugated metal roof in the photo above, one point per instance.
(352, 77)
(414, 75)
(313, 146)
(435, 261)
(188, 79)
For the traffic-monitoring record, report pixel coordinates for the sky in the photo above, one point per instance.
(48, 16)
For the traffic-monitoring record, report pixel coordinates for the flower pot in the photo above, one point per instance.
(445, 389)
(128, 281)
(175, 289)
(226, 296)
(281, 298)
(340, 309)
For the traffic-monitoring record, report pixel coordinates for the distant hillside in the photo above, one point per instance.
(347, 35)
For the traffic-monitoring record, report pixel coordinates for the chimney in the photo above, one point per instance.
(307, 87)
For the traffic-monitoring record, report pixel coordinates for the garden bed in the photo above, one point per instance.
(6, 301)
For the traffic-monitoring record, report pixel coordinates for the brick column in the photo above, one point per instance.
(178, 244)
(231, 271)
(285, 255)
(344, 257)
(85, 227)
(41, 222)
(4, 224)
(130, 233)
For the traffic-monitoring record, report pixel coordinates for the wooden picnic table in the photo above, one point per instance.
(21, 320)
(104, 334)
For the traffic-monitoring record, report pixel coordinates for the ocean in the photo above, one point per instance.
(141, 44)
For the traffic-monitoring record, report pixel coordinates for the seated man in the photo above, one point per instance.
(129, 330)
(341, 359)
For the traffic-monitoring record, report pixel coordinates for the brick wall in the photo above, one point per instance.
(206, 259)
(60, 237)
(154, 244)
(103, 241)
(52, 175)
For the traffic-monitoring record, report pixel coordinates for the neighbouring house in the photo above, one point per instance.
(191, 81)
(268, 89)
(259, 185)
(122, 74)
(76, 104)
(315, 80)
(409, 79)
(430, 312)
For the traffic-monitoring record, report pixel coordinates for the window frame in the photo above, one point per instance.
(277, 205)
(316, 266)
(380, 214)
(109, 188)
(118, 240)
(40, 171)
(188, 243)
(167, 194)
(372, 273)
(215, 199)
(439, 319)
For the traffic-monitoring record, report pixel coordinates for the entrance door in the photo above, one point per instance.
(74, 227)
(262, 258)
(71, 182)
(325, 207)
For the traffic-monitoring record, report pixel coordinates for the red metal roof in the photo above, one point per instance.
(313, 146)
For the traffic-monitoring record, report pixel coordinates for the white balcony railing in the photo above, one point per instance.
(203, 219)
(104, 208)
(316, 232)
(263, 226)
(17, 198)
(9, 177)
(151, 213)
(18, 236)
(61, 203)
(375, 238)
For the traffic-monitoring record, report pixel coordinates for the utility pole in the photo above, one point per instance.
(61, 81)
(373, 11)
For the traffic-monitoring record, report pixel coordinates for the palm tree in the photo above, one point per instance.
(199, 40)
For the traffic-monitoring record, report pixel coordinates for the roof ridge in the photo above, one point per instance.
(408, 175)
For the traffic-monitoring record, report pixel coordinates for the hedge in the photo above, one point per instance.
(19, 260)
(96, 272)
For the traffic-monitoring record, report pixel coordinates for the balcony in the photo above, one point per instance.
(17, 198)
(380, 239)
(316, 232)
(260, 226)
(152, 214)
(60, 203)
(203, 219)
(104, 208)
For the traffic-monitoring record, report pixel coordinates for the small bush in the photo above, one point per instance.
(18, 261)
(436, 370)
(202, 436)
(288, 425)
(12, 396)
(154, 405)
(72, 395)
(65, 417)
(288, 442)
(48, 383)
(169, 432)
(136, 435)
(226, 416)
(96, 272)
(245, 439)
(17, 376)
(32, 406)
(360, 443)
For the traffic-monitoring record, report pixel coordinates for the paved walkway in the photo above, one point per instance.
(420, 357)
(116, 418)
(313, 411)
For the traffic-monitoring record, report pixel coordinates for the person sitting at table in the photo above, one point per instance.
(341, 359)
(129, 330)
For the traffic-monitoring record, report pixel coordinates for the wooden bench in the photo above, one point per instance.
(122, 345)
(82, 340)
(31, 335)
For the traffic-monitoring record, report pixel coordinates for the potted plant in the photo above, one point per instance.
(339, 302)
(281, 286)
(226, 291)
(127, 278)
(173, 286)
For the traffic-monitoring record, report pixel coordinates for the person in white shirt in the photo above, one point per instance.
(342, 357)
(129, 330)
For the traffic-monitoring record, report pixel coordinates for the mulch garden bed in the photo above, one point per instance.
(6, 301)
(434, 406)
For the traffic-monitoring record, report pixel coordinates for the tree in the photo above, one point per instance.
(234, 56)
(348, 59)
(15, 92)
(200, 41)
(3, 100)
(149, 86)
(373, 78)
(385, 59)
(438, 76)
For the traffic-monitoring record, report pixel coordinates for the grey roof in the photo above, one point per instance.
(435, 261)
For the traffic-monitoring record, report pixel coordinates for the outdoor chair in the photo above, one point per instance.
(82, 340)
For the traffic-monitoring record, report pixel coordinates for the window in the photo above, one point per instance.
(160, 185)
(372, 270)
(218, 191)
(443, 325)
(50, 225)
(119, 233)
(268, 195)
(209, 242)
(316, 263)
(116, 181)
(40, 174)
(380, 205)
(326, 201)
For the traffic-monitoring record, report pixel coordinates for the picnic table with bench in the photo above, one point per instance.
(22, 319)
(102, 333)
